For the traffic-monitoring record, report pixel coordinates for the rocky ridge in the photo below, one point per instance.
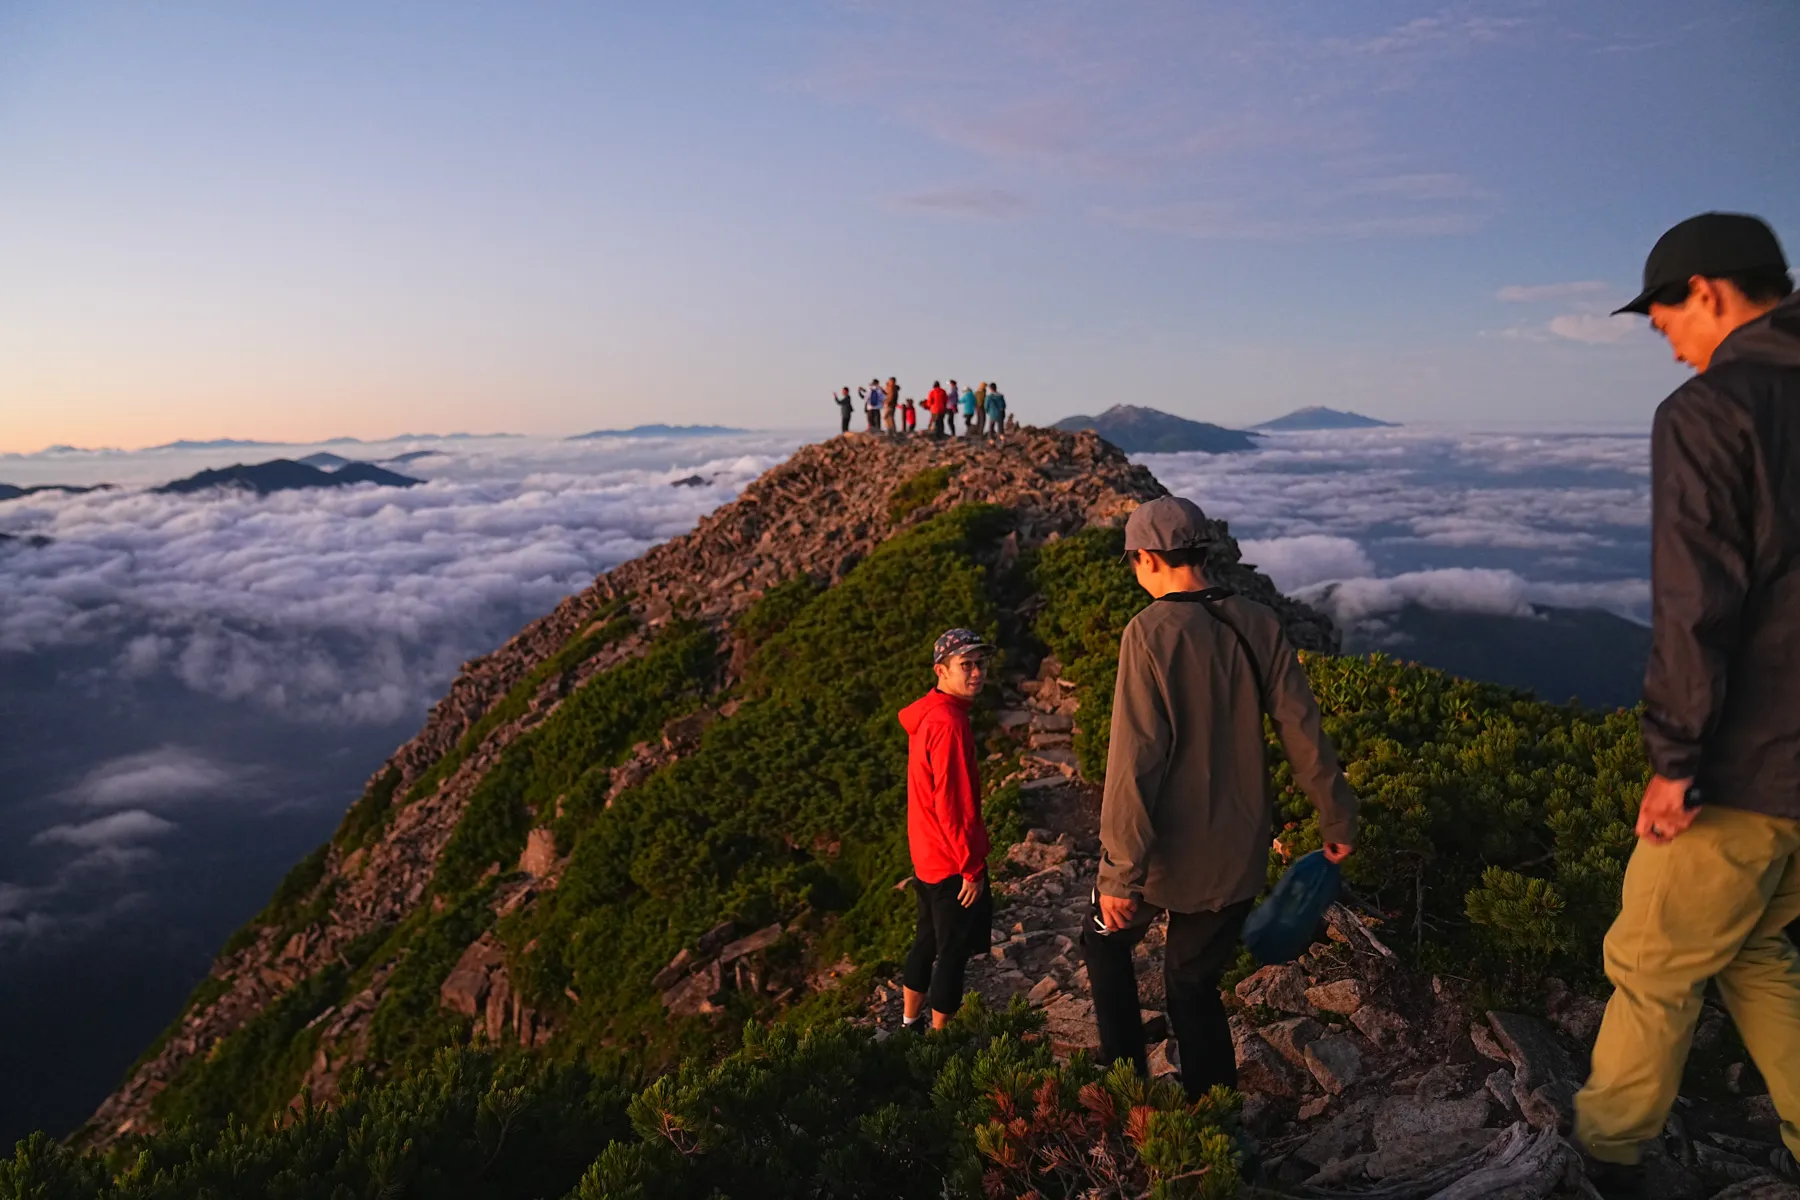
(817, 514)
(1360, 1079)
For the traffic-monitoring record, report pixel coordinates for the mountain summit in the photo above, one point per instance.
(1319, 417)
(1138, 430)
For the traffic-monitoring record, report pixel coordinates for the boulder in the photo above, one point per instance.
(1420, 1152)
(1261, 1071)
(1291, 1037)
(1042, 990)
(693, 995)
(1762, 1187)
(1401, 1117)
(1380, 1026)
(1335, 1062)
(1486, 1044)
(1339, 1137)
(1542, 1073)
(539, 856)
(465, 989)
(1343, 996)
(762, 939)
(1162, 1059)
(1037, 856)
(1281, 987)
(715, 938)
(670, 975)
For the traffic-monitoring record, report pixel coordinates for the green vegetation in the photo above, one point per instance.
(917, 492)
(608, 626)
(824, 1112)
(1495, 827)
(792, 810)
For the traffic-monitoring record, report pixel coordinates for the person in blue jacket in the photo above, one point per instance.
(968, 412)
(996, 412)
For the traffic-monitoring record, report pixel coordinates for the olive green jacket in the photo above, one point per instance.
(1187, 816)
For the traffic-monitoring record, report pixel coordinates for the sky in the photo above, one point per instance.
(297, 222)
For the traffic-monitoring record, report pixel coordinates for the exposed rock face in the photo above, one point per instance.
(817, 514)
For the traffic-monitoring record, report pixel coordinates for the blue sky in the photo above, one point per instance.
(220, 220)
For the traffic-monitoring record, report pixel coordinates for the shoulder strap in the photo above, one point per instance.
(1210, 599)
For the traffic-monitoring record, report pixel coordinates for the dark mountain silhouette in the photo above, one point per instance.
(659, 431)
(36, 541)
(1585, 654)
(284, 475)
(325, 460)
(1320, 417)
(412, 456)
(1138, 430)
(10, 492)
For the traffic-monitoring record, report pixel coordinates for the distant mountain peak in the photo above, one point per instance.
(1317, 416)
(285, 475)
(646, 431)
(1139, 430)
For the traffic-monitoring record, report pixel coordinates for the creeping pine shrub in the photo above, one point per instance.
(980, 1109)
(793, 809)
(917, 492)
(1495, 827)
(826, 1111)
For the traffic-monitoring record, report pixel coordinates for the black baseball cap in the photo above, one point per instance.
(1710, 245)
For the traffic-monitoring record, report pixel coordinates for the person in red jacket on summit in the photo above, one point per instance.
(944, 830)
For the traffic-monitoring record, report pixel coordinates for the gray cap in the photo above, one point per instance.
(1167, 523)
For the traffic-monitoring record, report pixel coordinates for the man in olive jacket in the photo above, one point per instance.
(1186, 820)
(1715, 874)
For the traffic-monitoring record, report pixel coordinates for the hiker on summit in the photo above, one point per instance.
(952, 399)
(968, 412)
(890, 402)
(910, 412)
(935, 402)
(1715, 875)
(845, 404)
(996, 412)
(871, 397)
(1186, 815)
(980, 409)
(944, 831)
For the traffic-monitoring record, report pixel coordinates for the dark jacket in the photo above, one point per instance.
(1722, 691)
(1186, 819)
(944, 830)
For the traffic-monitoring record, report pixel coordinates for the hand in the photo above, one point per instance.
(1281, 849)
(971, 891)
(1117, 911)
(1664, 815)
(1337, 852)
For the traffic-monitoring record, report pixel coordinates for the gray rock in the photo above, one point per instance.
(1542, 1074)
(1291, 1037)
(1401, 1117)
(714, 939)
(1037, 856)
(1343, 996)
(1339, 1137)
(1281, 987)
(693, 995)
(1042, 990)
(1162, 1059)
(1422, 1151)
(1261, 1071)
(670, 975)
(1443, 1082)
(1486, 1044)
(1380, 1026)
(762, 939)
(1499, 1087)
(1743, 1079)
(1335, 1062)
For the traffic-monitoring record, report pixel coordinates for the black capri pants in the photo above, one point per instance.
(949, 935)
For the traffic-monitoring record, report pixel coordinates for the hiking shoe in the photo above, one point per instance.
(1616, 1181)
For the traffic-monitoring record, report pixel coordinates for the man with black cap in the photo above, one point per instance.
(1715, 875)
(1187, 816)
(945, 832)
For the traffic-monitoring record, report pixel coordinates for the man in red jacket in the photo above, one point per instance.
(944, 831)
(936, 402)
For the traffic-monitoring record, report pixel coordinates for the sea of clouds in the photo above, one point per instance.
(194, 687)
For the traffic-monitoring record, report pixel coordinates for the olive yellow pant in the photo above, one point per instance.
(1711, 904)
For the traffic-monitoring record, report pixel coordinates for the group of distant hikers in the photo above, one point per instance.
(983, 409)
(1713, 881)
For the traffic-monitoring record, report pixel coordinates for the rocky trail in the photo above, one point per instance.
(1360, 1079)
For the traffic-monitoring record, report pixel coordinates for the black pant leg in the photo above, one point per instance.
(917, 975)
(960, 932)
(1200, 946)
(1112, 982)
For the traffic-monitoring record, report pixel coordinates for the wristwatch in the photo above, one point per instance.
(1692, 798)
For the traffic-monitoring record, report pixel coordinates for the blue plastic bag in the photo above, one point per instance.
(1281, 928)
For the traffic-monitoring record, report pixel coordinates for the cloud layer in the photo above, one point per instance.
(354, 604)
(1364, 522)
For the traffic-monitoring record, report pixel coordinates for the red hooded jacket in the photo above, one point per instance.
(936, 401)
(943, 790)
